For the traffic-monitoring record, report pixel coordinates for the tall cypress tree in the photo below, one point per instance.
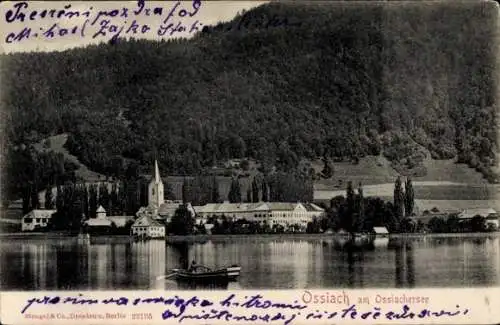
(398, 199)
(114, 202)
(249, 195)
(361, 210)
(215, 197)
(409, 198)
(26, 192)
(350, 200)
(35, 200)
(122, 198)
(255, 190)
(234, 195)
(104, 196)
(93, 200)
(185, 195)
(85, 201)
(49, 199)
(60, 198)
(265, 191)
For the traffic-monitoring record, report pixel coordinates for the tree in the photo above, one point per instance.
(313, 227)
(350, 209)
(409, 198)
(49, 199)
(93, 200)
(437, 225)
(360, 222)
(85, 201)
(327, 167)
(182, 222)
(249, 195)
(215, 197)
(265, 191)
(35, 200)
(185, 196)
(478, 224)
(59, 198)
(122, 198)
(408, 225)
(234, 195)
(114, 201)
(398, 199)
(255, 190)
(104, 197)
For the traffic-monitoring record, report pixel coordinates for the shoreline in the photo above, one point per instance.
(229, 237)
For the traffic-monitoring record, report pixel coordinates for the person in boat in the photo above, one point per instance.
(193, 266)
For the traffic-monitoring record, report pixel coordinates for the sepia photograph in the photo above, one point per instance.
(258, 145)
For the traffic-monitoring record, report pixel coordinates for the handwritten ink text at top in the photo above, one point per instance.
(174, 18)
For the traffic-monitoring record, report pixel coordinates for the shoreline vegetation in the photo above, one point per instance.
(203, 238)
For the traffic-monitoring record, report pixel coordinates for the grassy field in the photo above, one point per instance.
(56, 143)
(377, 170)
(425, 191)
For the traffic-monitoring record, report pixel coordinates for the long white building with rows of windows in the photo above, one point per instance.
(273, 213)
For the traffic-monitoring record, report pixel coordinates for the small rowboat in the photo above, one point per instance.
(203, 273)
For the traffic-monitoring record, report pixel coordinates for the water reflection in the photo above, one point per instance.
(108, 263)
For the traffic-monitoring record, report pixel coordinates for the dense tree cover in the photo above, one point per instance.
(77, 202)
(275, 187)
(355, 213)
(339, 82)
(28, 171)
(453, 224)
(182, 222)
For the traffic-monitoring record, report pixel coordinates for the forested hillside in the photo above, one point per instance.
(339, 81)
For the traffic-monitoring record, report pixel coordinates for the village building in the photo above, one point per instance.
(490, 215)
(380, 231)
(36, 220)
(104, 223)
(273, 213)
(147, 227)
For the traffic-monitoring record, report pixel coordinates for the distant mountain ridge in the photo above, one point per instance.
(350, 80)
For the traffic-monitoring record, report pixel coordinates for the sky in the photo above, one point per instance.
(44, 37)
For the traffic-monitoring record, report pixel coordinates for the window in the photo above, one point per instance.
(37, 220)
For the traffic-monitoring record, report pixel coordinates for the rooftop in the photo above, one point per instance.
(255, 207)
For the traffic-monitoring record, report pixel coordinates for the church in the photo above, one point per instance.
(158, 211)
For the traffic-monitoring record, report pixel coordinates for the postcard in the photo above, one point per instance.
(249, 162)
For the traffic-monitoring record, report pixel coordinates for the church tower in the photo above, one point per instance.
(155, 189)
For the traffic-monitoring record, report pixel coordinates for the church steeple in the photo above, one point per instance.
(157, 172)
(155, 189)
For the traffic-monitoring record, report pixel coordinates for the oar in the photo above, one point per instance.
(161, 277)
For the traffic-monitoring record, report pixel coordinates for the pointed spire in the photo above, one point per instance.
(157, 172)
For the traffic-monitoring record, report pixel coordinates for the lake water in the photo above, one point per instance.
(267, 263)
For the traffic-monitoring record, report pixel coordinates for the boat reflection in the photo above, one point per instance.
(169, 284)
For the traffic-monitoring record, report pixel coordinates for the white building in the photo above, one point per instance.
(103, 221)
(147, 227)
(273, 213)
(36, 220)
